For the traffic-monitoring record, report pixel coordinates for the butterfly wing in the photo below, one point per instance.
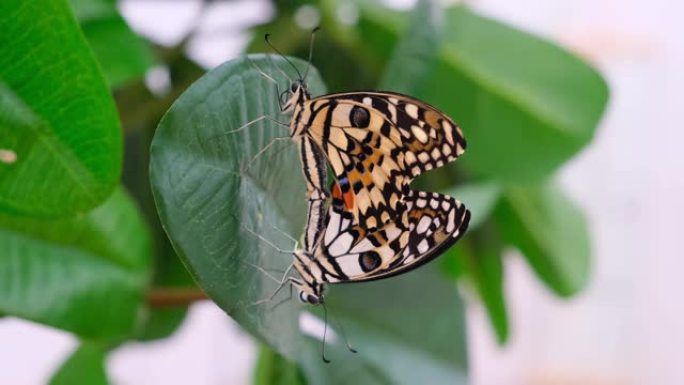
(376, 143)
(431, 223)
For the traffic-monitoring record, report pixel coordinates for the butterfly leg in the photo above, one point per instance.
(266, 241)
(286, 280)
(245, 126)
(263, 150)
(267, 273)
(288, 236)
(262, 117)
(288, 299)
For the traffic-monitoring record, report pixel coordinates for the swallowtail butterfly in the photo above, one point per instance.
(376, 143)
(346, 252)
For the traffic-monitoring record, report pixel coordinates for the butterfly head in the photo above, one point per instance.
(296, 94)
(310, 288)
(309, 298)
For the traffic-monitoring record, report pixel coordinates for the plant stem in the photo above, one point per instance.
(165, 297)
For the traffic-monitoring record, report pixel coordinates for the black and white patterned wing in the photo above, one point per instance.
(430, 224)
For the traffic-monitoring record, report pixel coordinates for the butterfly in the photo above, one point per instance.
(346, 252)
(375, 227)
(376, 143)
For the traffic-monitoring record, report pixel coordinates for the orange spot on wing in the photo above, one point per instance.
(347, 198)
(336, 192)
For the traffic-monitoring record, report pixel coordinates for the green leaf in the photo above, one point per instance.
(122, 54)
(478, 257)
(56, 115)
(479, 260)
(406, 329)
(417, 51)
(85, 274)
(547, 227)
(85, 366)
(274, 369)
(213, 188)
(526, 105)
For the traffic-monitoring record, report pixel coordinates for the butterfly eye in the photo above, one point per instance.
(294, 86)
(312, 299)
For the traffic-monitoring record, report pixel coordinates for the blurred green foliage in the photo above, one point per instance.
(86, 365)
(85, 256)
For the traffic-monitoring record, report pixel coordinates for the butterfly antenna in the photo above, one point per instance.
(261, 72)
(311, 44)
(285, 75)
(346, 341)
(280, 53)
(325, 332)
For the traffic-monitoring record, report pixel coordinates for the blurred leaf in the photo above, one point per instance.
(329, 53)
(85, 366)
(85, 274)
(212, 187)
(274, 369)
(406, 329)
(417, 51)
(479, 197)
(345, 368)
(170, 274)
(375, 34)
(525, 105)
(480, 259)
(122, 54)
(550, 231)
(56, 114)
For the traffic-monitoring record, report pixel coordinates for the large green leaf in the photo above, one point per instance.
(56, 115)
(85, 274)
(210, 193)
(85, 366)
(122, 54)
(213, 188)
(406, 330)
(550, 231)
(526, 105)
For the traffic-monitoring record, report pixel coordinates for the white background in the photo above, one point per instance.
(626, 328)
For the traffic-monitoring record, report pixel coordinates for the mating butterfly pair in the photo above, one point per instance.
(374, 226)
